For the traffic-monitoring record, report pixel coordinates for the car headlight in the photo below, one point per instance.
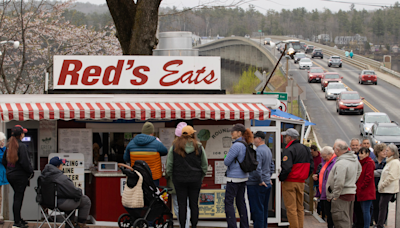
(311, 75)
(326, 82)
(361, 103)
(367, 128)
(377, 141)
(329, 93)
(341, 103)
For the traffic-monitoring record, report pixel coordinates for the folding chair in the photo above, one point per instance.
(46, 197)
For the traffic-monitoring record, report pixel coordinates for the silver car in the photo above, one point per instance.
(333, 90)
(369, 118)
(335, 61)
(305, 63)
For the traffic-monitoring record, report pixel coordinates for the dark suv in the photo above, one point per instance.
(385, 133)
(317, 53)
(309, 48)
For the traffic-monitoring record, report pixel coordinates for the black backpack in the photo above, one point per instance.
(249, 163)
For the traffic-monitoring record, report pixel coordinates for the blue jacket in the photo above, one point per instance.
(143, 142)
(237, 150)
(265, 168)
(3, 176)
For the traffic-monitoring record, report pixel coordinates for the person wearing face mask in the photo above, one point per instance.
(19, 170)
(3, 177)
(365, 185)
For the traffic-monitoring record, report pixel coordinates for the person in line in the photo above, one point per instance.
(147, 148)
(236, 178)
(187, 165)
(367, 144)
(18, 170)
(389, 183)
(351, 54)
(355, 144)
(69, 197)
(316, 157)
(341, 185)
(259, 184)
(297, 165)
(329, 157)
(380, 162)
(174, 197)
(317, 167)
(3, 178)
(366, 185)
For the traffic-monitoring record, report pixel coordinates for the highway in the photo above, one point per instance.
(330, 126)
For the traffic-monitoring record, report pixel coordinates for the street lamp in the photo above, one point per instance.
(15, 44)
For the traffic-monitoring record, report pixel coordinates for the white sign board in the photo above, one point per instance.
(137, 72)
(77, 140)
(122, 183)
(216, 139)
(47, 137)
(220, 170)
(73, 168)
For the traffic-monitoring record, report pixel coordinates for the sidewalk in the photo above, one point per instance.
(388, 78)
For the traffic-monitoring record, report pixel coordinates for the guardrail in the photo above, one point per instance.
(387, 70)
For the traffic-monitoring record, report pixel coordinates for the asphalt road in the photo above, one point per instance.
(330, 126)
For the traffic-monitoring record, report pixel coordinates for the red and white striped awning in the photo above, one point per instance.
(142, 111)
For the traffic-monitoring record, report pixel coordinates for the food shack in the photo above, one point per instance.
(99, 126)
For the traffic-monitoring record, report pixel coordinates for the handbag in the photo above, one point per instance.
(133, 197)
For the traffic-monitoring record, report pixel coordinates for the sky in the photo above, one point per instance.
(264, 5)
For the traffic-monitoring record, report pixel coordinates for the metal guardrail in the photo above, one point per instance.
(387, 70)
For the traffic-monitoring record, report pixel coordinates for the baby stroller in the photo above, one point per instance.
(155, 209)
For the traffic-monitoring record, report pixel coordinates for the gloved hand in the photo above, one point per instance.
(31, 176)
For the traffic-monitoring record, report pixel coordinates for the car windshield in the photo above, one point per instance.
(310, 46)
(335, 57)
(377, 118)
(300, 55)
(388, 131)
(369, 72)
(331, 76)
(336, 86)
(350, 96)
(305, 60)
(317, 70)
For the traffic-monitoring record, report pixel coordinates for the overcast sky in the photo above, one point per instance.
(263, 5)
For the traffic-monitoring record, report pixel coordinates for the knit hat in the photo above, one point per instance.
(148, 128)
(179, 127)
(188, 130)
(56, 161)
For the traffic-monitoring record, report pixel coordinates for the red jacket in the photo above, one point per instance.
(365, 183)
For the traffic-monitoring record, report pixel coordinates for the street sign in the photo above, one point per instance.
(264, 80)
(282, 97)
(259, 30)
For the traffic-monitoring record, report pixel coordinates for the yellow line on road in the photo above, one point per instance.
(348, 88)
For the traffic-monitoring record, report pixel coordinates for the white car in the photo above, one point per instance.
(333, 90)
(369, 119)
(305, 63)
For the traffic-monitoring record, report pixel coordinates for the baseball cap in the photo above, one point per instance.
(18, 130)
(238, 127)
(56, 161)
(291, 132)
(188, 130)
(259, 134)
(179, 127)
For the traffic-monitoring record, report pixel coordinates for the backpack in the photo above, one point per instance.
(249, 163)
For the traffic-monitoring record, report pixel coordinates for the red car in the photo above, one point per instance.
(349, 101)
(315, 74)
(330, 77)
(368, 76)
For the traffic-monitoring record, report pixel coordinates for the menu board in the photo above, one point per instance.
(77, 140)
(73, 168)
(216, 139)
(47, 137)
(220, 170)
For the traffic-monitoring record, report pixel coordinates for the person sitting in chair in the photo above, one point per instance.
(69, 196)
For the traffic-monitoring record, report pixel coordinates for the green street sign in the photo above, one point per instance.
(281, 97)
(259, 30)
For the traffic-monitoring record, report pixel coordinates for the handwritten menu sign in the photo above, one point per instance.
(220, 170)
(47, 137)
(73, 168)
(77, 140)
(216, 139)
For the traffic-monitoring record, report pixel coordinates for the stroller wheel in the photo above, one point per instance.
(168, 224)
(124, 221)
(140, 223)
(159, 223)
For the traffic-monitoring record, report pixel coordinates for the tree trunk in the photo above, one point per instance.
(136, 25)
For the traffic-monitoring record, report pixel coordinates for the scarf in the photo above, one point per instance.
(321, 173)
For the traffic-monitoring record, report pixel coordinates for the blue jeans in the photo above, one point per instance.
(235, 191)
(366, 210)
(259, 199)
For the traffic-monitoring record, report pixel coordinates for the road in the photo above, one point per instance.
(330, 126)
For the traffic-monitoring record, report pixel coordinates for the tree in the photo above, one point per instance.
(43, 33)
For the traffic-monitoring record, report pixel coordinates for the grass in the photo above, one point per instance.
(295, 108)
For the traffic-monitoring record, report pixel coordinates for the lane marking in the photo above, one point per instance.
(365, 100)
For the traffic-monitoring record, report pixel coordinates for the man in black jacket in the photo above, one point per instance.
(69, 196)
(297, 165)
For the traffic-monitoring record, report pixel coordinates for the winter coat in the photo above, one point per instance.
(317, 160)
(3, 176)
(378, 171)
(341, 179)
(297, 163)
(149, 149)
(351, 54)
(265, 168)
(325, 178)
(22, 168)
(365, 183)
(237, 150)
(389, 182)
(65, 186)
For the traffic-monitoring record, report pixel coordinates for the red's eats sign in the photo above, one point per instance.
(136, 72)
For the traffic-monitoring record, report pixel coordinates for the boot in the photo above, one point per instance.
(81, 225)
(68, 226)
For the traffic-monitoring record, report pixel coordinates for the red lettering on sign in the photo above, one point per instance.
(87, 73)
(74, 75)
(173, 62)
(138, 74)
(117, 73)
